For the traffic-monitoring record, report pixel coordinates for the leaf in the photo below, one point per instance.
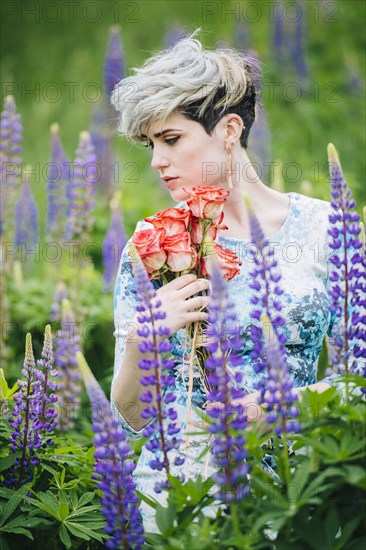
(301, 476)
(148, 500)
(80, 530)
(63, 511)
(65, 537)
(84, 510)
(17, 531)
(12, 504)
(165, 518)
(7, 461)
(85, 498)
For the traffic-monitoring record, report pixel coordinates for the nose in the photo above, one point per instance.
(159, 159)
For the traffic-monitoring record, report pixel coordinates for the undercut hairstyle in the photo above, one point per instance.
(203, 85)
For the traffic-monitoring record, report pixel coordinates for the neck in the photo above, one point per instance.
(245, 180)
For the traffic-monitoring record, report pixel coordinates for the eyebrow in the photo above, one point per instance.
(163, 132)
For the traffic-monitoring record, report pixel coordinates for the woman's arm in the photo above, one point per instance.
(180, 307)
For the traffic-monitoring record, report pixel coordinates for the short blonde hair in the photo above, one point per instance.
(203, 85)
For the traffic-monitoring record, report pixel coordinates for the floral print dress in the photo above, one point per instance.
(302, 252)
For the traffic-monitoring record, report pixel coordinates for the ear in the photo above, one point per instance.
(233, 129)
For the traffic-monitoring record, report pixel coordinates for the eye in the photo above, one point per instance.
(170, 141)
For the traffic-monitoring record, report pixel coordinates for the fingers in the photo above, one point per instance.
(193, 287)
(197, 302)
(181, 281)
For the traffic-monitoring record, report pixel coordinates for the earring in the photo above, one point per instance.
(229, 167)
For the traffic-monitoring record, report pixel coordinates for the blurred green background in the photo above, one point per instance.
(313, 93)
(57, 49)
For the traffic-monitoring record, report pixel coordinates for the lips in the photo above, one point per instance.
(169, 181)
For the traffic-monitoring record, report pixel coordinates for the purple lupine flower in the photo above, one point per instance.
(347, 281)
(10, 161)
(279, 395)
(57, 177)
(278, 34)
(227, 417)
(354, 79)
(101, 136)
(67, 344)
(260, 145)
(81, 189)
(113, 245)
(30, 417)
(114, 67)
(265, 296)
(173, 36)
(114, 468)
(26, 218)
(48, 415)
(165, 436)
(298, 49)
(242, 35)
(60, 294)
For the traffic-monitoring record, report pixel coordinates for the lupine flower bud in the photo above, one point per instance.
(114, 468)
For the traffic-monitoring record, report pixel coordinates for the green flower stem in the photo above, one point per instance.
(234, 518)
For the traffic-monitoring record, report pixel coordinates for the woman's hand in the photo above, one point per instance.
(252, 409)
(178, 304)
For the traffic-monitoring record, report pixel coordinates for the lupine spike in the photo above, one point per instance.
(114, 468)
(278, 35)
(261, 145)
(348, 280)
(266, 296)
(298, 49)
(10, 161)
(227, 420)
(27, 420)
(81, 189)
(60, 294)
(113, 244)
(114, 67)
(48, 413)
(279, 395)
(26, 219)
(101, 135)
(164, 437)
(67, 344)
(173, 36)
(57, 177)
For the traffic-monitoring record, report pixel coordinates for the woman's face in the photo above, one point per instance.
(182, 151)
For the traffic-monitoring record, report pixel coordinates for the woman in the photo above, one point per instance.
(194, 108)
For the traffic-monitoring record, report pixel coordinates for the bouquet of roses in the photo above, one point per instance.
(180, 241)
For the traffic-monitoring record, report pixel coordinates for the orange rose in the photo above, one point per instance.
(211, 233)
(181, 254)
(173, 220)
(148, 244)
(207, 202)
(227, 259)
